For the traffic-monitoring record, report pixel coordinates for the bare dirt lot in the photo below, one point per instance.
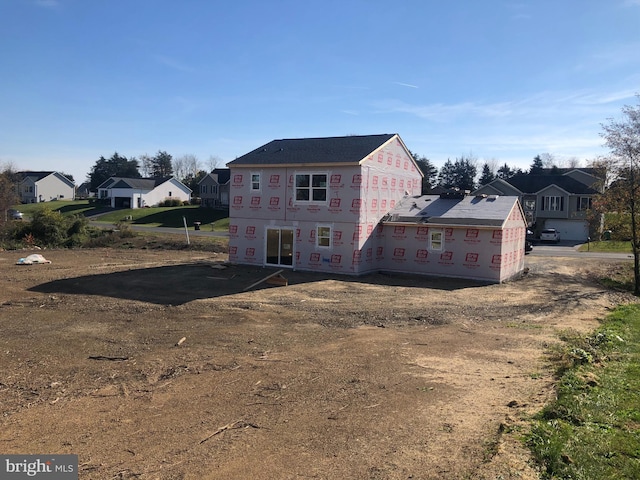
(155, 364)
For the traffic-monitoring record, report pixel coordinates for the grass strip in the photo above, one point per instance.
(592, 430)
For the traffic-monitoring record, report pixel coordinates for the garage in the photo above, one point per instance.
(570, 229)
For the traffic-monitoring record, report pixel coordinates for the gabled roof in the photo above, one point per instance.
(37, 176)
(224, 175)
(563, 171)
(329, 150)
(134, 183)
(34, 176)
(464, 210)
(535, 183)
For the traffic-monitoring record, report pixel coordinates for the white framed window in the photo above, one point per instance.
(584, 203)
(255, 182)
(311, 187)
(203, 189)
(530, 205)
(553, 204)
(436, 240)
(323, 236)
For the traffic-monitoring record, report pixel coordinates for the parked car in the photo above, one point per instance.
(14, 214)
(550, 235)
(528, 246)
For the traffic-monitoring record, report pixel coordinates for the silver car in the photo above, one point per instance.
(550, 235)
(14, 214)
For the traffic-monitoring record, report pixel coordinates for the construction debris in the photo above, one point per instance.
(263, 280)
(32, 259)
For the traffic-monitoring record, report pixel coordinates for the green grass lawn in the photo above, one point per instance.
(592, 430)
(611, 246)
(209, 219)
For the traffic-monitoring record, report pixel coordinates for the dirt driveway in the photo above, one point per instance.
(155, 364)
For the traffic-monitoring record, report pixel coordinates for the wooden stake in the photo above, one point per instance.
(264, 279)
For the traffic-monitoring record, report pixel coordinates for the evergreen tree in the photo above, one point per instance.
(487, 175)
(429, 171)
(161, 165)
(116, 166)
(460, 174)
(537, 167)
(505, 172)
(446, 177)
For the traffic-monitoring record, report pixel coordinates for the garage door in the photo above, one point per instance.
(570, 229)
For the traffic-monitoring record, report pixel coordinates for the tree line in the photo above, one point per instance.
(187, 168)
(462, 173)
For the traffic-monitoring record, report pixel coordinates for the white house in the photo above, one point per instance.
(142, 192)
(35, 187)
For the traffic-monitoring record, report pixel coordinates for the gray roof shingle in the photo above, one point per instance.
(468, 210)
(350, 149)
(535, 183)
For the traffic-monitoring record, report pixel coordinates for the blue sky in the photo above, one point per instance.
(500, 80)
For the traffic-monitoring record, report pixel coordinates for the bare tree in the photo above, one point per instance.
(146, 165)
(548, 160)
(214, 162)
(622, 137)
(186, 166)
(573, 162)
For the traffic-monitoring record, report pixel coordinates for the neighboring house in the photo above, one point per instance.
(559, 200)
(35, 187)
(328, 204)
(142, 192)
(84, 191)
(214, 188)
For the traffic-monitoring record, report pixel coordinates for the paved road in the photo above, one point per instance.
(205, 232)
(571, 250)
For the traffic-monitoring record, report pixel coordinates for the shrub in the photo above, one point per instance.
(47, 228)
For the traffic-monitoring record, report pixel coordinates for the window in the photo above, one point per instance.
(203, 189)
(553, 204)
(323, 236)
(255, 181)
(530, 205)
(584, 203)
(311, 187)
(435, 240)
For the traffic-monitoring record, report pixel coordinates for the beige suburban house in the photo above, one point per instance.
(557, 198)
(35, 187)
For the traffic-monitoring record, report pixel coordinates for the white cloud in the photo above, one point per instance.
(406, 85)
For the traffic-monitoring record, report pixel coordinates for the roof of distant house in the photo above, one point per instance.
(37, 176)
(223, 175)
(134, 183)
(534, 183)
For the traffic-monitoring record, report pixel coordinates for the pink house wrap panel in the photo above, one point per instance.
(345, 205)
